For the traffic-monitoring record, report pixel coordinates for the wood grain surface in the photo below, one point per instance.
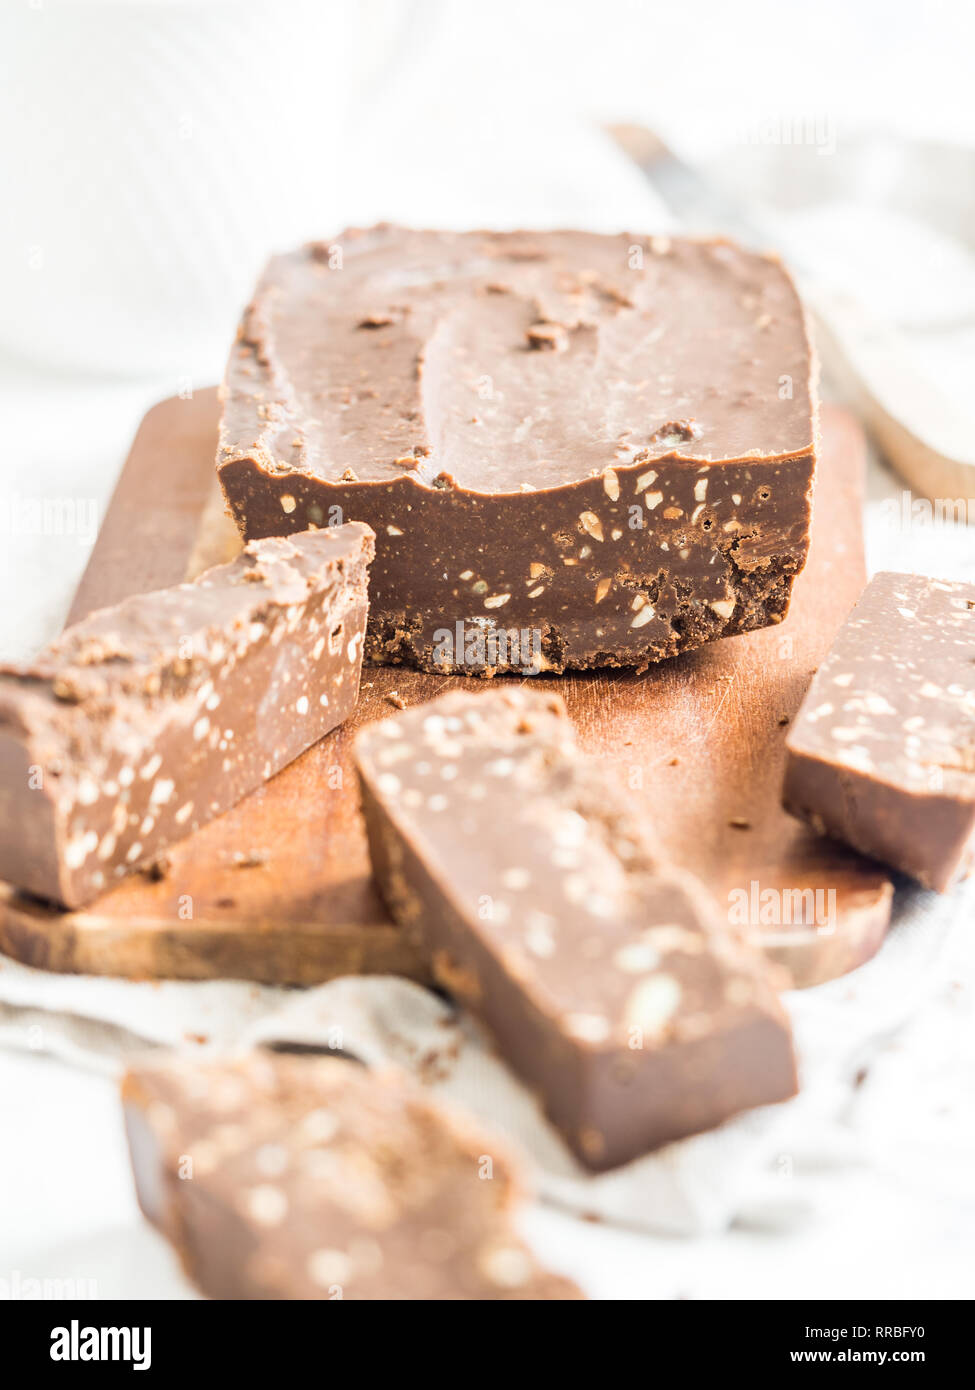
(278, 890)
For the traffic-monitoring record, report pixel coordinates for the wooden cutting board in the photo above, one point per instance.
(278, 890)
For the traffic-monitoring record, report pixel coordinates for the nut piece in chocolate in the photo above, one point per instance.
(145, 720)
(575, 450)
(604, 977)
(281, 1177)
(882, 754)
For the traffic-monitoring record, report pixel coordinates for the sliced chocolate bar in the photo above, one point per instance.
(606, 979)
(145, 720)
(882, 754)
(281, 1177)
(575, 450)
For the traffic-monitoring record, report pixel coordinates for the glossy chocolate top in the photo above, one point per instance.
(512, 361)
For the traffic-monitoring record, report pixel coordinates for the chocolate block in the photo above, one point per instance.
(147, 719)
(281, 1177)
(575, 450)
(605, 978)
(882, 754)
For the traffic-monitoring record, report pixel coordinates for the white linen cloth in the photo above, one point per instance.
(854, 1036)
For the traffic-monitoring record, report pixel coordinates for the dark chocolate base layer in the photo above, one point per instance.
(407, 639)
(471, 585)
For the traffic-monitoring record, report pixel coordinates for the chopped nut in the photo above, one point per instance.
(591, 524)
(653, 1003)
(548, 337)
(645, 479)
(676, 432)
(266, 1205)
(67, 690)
(611, 484)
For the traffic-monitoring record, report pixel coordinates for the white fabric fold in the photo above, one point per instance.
(763, 1170)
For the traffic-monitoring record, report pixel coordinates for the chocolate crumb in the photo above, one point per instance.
(250, 859)
(160, 868)
(547, 337)
(66, 690)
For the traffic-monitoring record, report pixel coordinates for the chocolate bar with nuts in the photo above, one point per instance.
(282, 1177)
(605, 978)
(145, 720)
(575, 450)
(882, 754)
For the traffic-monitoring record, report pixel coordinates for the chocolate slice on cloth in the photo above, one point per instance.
(575, 450)
(281, 1177)
(145, 720)
(882, 754)
(605, 978)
